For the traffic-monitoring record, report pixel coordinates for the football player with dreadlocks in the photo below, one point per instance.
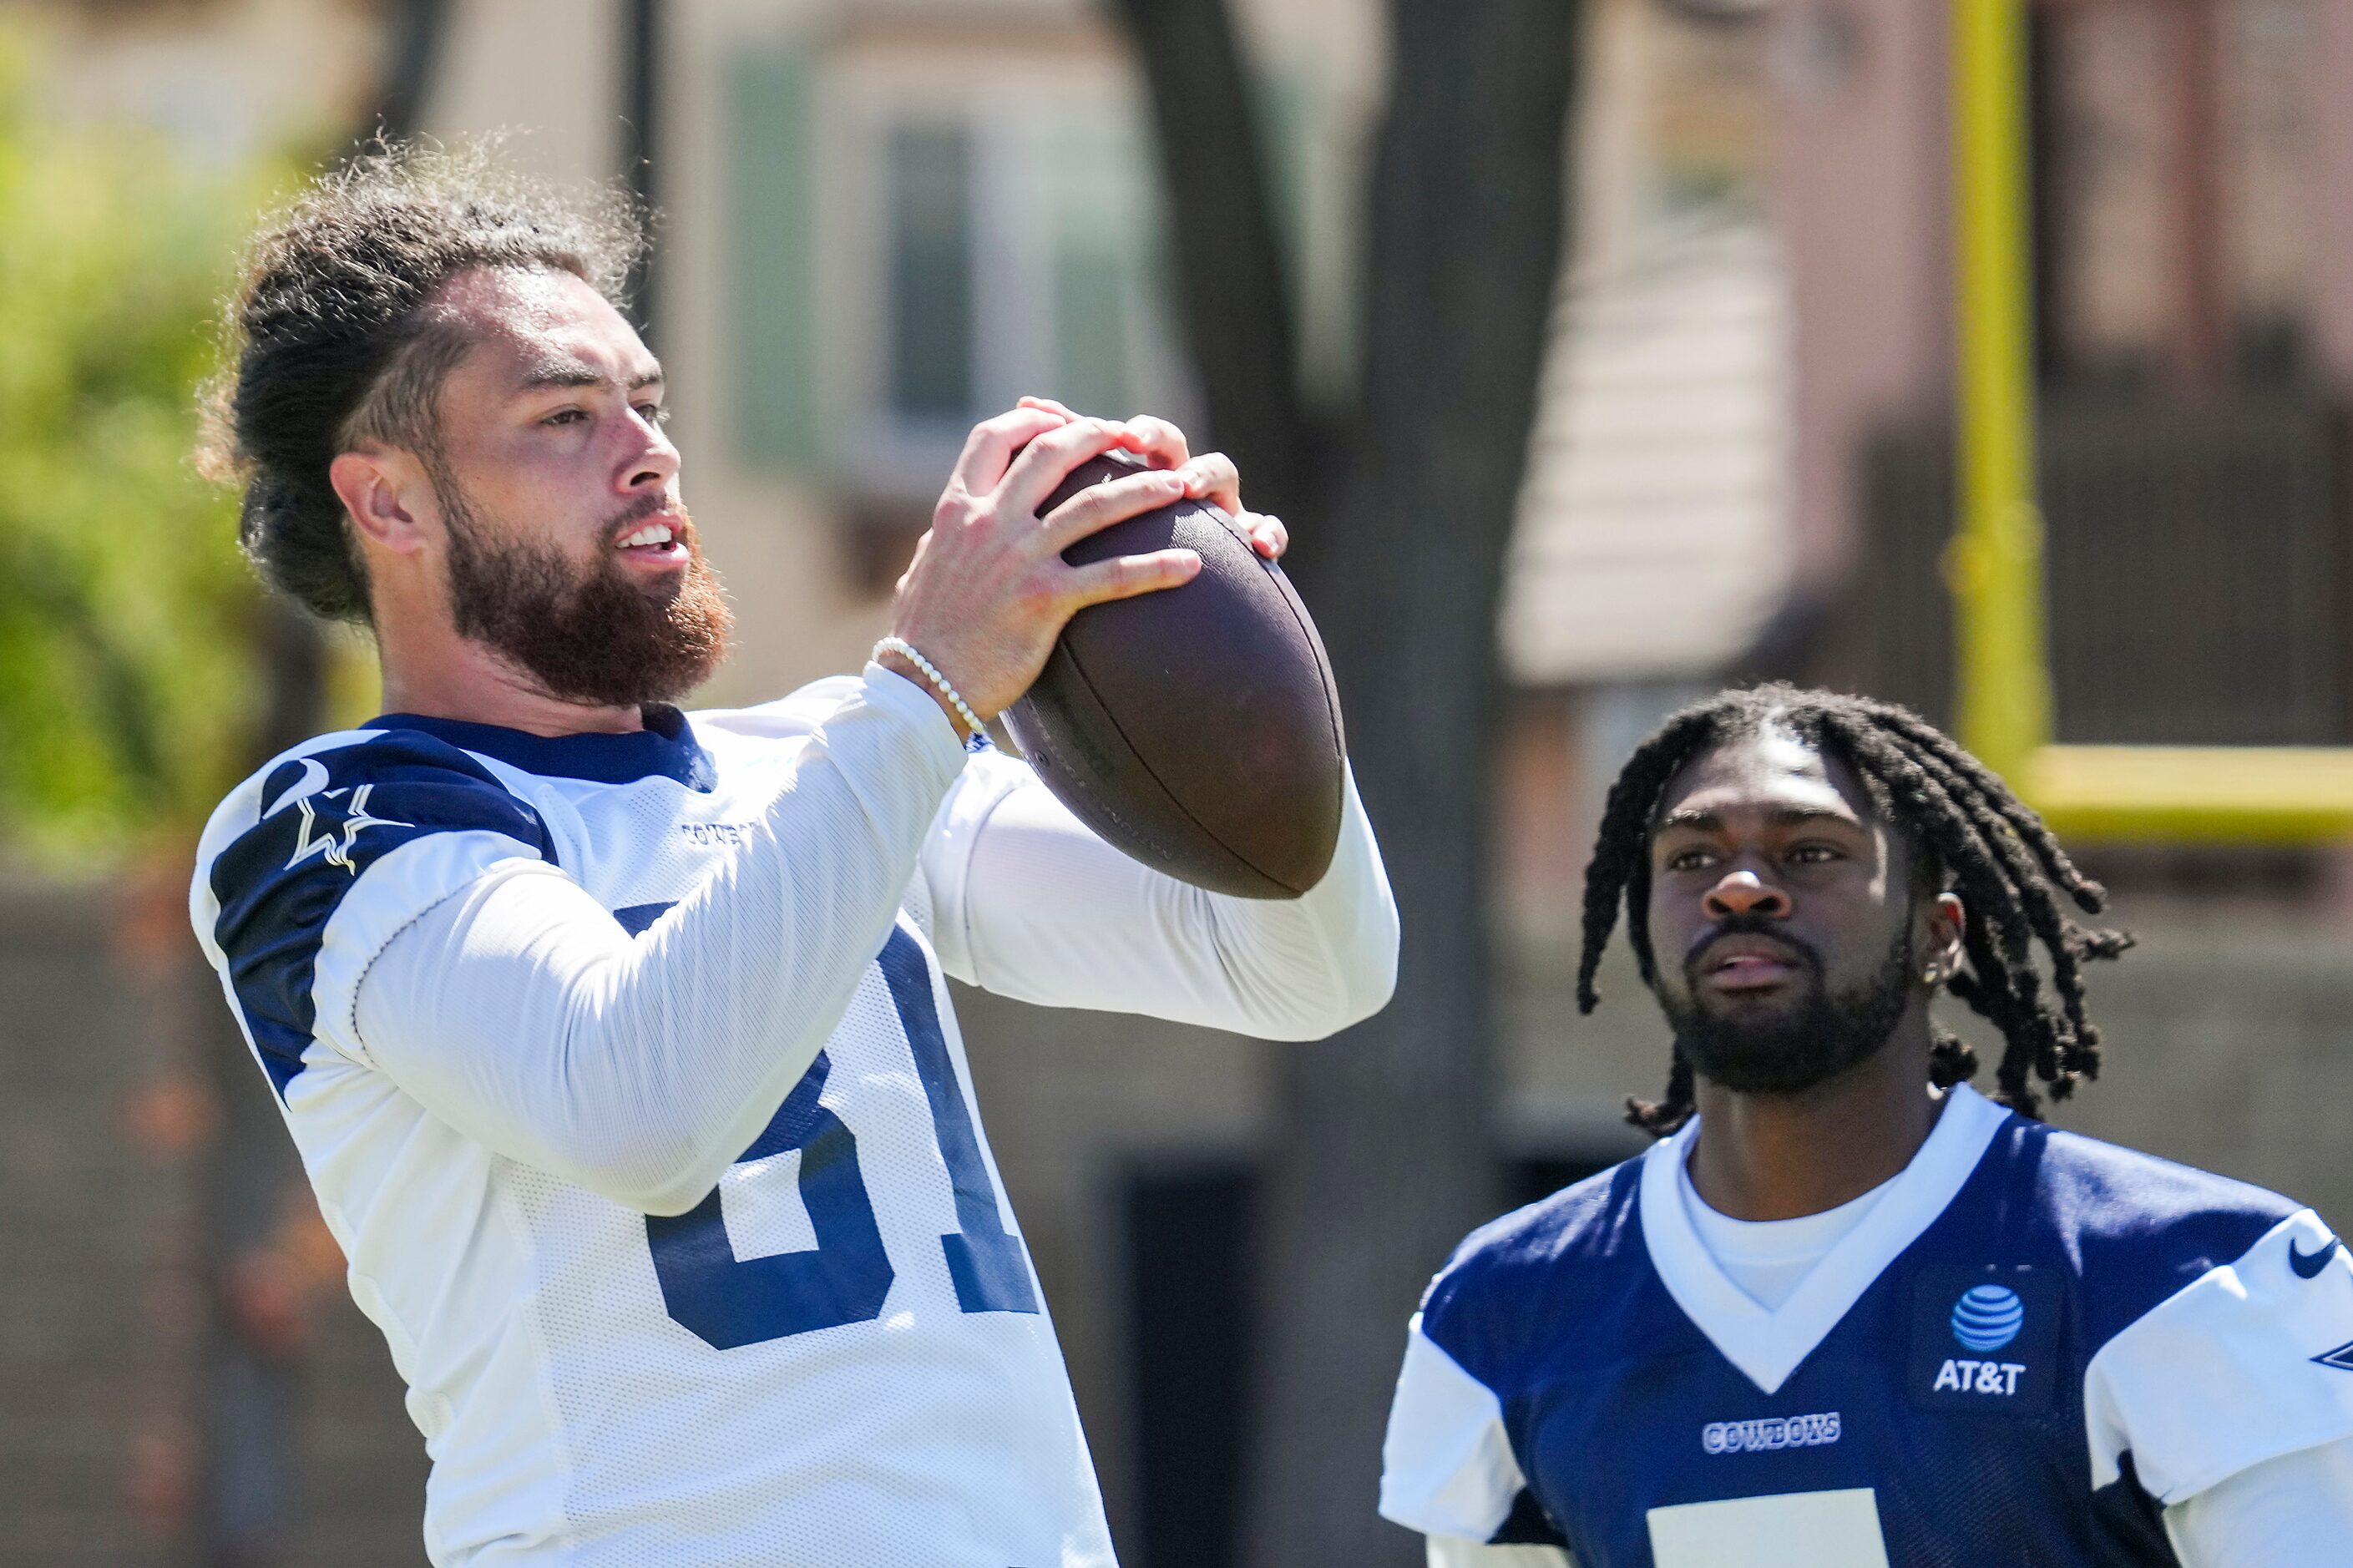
(1849, 1312)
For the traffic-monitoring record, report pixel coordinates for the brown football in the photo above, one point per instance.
(1198, 729)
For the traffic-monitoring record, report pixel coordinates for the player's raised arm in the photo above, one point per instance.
(509, 1001)
(521, 1012)
(1031, 903)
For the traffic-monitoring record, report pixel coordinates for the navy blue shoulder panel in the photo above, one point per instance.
(1579, 1257)
(326, 818)
(666, 748)
(2135, 1228)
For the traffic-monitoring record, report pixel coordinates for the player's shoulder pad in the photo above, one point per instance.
(2250, 1360)
(1447, 1463)
(1567, 1251)
(2139, 1227)
(2209, 1308)
(291, 847)
(346, 800)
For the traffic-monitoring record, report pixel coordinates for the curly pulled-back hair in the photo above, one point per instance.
(1972, 836)
(332, 338)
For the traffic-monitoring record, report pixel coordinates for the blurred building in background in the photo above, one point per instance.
(884, 219)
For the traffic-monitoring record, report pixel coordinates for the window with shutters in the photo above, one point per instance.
(922, 234)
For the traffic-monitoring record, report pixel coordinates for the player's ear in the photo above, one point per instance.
(1948, 923)
(376, 490)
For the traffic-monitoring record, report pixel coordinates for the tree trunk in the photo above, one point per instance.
(645, 51)
(1231, 290)
(1386, 1156)
(421, 31)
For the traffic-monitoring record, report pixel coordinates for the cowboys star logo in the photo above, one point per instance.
(337, 849)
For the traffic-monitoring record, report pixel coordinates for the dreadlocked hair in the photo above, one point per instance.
(1975, 837)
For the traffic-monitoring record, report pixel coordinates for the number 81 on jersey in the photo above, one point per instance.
(728, 1302)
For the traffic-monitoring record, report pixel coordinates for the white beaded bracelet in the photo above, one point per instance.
(906, 650)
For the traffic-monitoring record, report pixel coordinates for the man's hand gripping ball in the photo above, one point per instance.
(988, 591)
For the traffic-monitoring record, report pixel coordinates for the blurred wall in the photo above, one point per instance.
(227, 79)
(120, 1082)
(99, 1329)
(2330, 128)
(1860, 192)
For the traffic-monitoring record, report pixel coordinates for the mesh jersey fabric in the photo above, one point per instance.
(827, 1345)
(1568, 1383)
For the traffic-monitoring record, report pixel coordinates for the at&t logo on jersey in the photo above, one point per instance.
(1980, 1376)
(1984, 1339)
(1771, 1432)
(1986, 1318)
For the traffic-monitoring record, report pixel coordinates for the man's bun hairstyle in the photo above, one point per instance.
(332, 338)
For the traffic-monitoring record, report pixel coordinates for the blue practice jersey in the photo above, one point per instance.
(2031, 1345)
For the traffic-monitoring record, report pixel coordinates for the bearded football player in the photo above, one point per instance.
(616, 1039)
(1849, 1312)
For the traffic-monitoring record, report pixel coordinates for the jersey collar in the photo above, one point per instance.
(1767, 1346)
(665, 748)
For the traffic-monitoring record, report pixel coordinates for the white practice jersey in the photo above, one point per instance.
(625, 1071)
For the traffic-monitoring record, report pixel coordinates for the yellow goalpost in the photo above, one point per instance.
(2275, 794)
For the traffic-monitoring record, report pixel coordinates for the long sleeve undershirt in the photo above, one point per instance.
(1028, 903)
(520, 1012)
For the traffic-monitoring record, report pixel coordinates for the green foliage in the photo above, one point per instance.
(126, 650)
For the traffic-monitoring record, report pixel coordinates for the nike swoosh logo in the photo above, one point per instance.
(2308, 1265)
